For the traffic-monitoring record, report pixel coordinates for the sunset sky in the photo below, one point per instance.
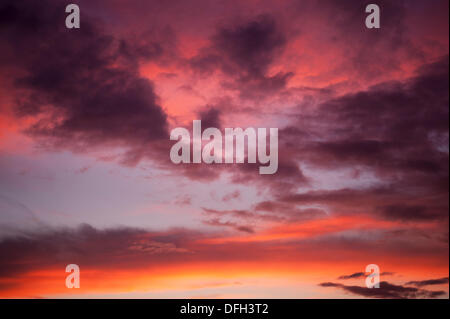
(86, 177)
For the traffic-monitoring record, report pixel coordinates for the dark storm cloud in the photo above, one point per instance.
(210, 117)
(251, 46)
(396, 126)
(387, 290)
(244, 53)
(396, 130)
(440, 281)
(83, 84)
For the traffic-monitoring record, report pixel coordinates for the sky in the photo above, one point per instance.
(363, 131)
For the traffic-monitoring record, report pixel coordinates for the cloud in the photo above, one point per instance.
(84, 91)
(395, 131)
(361, 275)
(409, 212)
(308, 68)
(154, 247)
(240, 220)
(210, 117)
(252, 45)
(440, 281)
(352, 276)
(387, 290)
(288, 176)
(81, 86)
(269, 212)
(244, 53)
(389, 127)
(84, 245)
(367, 201)
(233, 225)
(290, 211)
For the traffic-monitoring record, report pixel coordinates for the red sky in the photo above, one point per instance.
(86, 178)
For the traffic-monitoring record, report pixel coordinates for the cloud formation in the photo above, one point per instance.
(429, 282)
(361, 275)
(387, 290)
(244, 53)
(363, 141)
(82, 85)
